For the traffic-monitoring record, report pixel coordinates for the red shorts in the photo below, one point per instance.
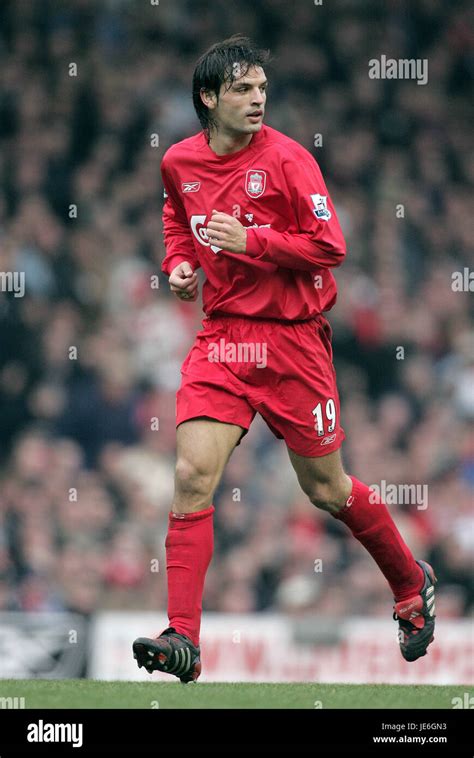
(240, 366)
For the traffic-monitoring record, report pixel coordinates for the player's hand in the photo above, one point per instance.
(184, 282)
(227, 232)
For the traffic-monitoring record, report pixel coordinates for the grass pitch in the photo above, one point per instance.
(84, 693)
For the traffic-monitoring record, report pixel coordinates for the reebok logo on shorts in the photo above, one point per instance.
(328, 440)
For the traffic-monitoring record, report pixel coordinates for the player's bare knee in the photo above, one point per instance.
(194, 487)
(328, 496)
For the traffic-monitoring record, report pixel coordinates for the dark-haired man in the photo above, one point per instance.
(249, 205)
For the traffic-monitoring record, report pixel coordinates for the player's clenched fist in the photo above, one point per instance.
(184, 282)
(227, 232)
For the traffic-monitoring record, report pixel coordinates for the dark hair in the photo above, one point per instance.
(216, 67)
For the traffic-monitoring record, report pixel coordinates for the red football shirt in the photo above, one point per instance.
(275, 188)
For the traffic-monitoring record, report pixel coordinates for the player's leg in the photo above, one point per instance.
(328, 487)
(212, 414)
(203, 449)
(303, 408)
(412, 582)
(323, 479)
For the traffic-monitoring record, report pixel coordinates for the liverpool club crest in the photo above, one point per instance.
(255, 182)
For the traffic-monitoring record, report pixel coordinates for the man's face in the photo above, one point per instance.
(241, 108)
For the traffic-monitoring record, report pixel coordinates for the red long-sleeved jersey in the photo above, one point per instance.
(275, 187)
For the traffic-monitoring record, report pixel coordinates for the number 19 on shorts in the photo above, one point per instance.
(330, 413)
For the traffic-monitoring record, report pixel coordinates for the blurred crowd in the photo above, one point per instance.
(90, 356)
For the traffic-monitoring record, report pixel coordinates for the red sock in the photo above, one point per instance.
(371, 523)
(189, 546)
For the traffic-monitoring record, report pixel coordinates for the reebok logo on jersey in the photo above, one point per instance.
(191, 186)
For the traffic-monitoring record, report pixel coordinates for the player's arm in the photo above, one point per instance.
(180, 261)
(319, 242)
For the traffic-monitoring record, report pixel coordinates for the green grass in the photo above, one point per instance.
(83, 693)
